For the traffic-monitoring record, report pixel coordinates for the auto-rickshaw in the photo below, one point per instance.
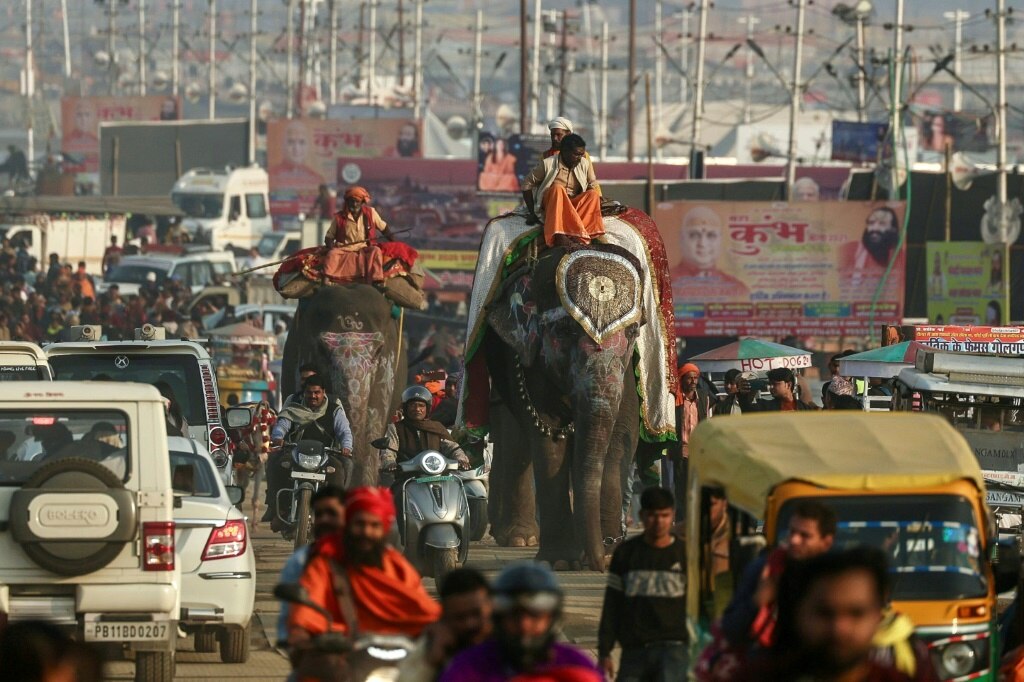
(908, 484)
(242, 354)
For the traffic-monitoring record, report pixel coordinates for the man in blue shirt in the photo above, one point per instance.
(328, 517)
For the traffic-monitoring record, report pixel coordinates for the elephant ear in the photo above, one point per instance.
(515, 318)
(601, 291)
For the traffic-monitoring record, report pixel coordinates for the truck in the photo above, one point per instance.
(227, 208)
(77, 239)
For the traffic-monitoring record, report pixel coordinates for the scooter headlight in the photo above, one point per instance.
(433, 463)
(308, 462)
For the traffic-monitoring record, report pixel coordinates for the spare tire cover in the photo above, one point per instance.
(73, 516)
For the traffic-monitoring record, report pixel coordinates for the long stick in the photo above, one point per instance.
(278, 262)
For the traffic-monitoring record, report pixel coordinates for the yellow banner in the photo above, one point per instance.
(435, 259)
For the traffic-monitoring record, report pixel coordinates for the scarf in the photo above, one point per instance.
(551, 165)
(300, 415)
(416, 435)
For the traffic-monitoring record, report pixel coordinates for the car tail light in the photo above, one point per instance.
(218, 436)
(227, 541)
(158, 546)
(210, 393)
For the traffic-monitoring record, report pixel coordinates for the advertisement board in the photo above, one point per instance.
(303, 154)
(773, 269)
(857, 142)
(81, 118)
(995, 340)
(965, 283)
(503, 162)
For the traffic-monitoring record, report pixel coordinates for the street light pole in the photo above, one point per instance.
(333, 49)
(1001, 150)
(957, 17)
(30, 84)
(862, 95)
(253, 28)
(142, 47)
(212, 71)
(751, 21)
(698, 82)
(417, 85)
(796, 92)
(175, 29)
(631, 110)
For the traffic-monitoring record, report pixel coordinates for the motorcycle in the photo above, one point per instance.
(365, 658)
(434, 515)
(309, 464)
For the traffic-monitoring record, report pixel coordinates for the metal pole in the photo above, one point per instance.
(535, 83)
(1001, 148)
(175, 30)
(417, 86)
(302, 49)
(631, 110)
(895, 113)
(30, 85)
(523, 86)
(142, 47)
(253, 30)
(290, 71)
(659, 65)
(795, 93)
(361, 45)
(373, 53)
(563, 62)
(604, 90)
(478, 31)
(862, 95)
(111, 29)
(958, 17)
(698, 82)
(67, 38)
(401, 43)
(333, 20)
(212, 70)
(947, 157)
(751, 21)
(591, 71)
(684, 56)
(650, 144)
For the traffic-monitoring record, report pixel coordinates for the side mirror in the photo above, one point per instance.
(183, 480)
(293, 593)
(1006, 564)
(237, 417)
(380, 443)
(236, 494)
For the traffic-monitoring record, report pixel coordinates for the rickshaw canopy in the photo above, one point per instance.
(749, 455)
(885, 362)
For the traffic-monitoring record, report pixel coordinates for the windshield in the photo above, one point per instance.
(31, 438)
(199, 205)
(21, 373)
(268, 242)
(179, 371)
(931, 541)
(204, 480)
(135, 274)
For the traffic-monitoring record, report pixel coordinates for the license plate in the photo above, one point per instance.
(112, 631)
(306, 476)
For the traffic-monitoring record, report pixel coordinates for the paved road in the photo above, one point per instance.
(584, 593)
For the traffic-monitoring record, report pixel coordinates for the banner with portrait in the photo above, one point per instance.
(775, 269)
(303, 154)
(81, 118)
(965, 283)
(503, 162)
(961, 130)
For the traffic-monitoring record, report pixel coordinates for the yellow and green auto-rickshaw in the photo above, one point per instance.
(906, 483)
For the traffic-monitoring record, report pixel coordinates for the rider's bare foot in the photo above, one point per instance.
(561, 240)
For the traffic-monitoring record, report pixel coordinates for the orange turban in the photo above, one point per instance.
(357, 192)
(687, 368)
(376, 501)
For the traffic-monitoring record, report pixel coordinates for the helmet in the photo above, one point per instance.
(527, 584)
(417, 392)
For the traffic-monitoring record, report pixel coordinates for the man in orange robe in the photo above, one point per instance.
(562, 192)
(387, 592)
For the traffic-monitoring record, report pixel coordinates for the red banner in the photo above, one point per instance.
(81, 118)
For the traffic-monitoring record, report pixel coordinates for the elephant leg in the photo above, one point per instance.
(512, 504)
(619, 466)
(552, 473)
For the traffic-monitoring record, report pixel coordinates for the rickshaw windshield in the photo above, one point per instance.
(932, 542)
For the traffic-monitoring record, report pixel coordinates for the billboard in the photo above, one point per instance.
(964, 132)
(503, 162)
(81, 118)
(964, 339)
(303, 153)
(965, 283)
(773, 269)
(857, 142)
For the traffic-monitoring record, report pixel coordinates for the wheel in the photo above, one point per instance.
(478, 520)
(234, 645)
(443, 561)
(154, 666)
(206, 641)
(303, 522)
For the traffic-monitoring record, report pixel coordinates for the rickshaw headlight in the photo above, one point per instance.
(958, 659)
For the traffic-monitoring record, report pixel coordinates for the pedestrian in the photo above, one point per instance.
(732, 403)
(693, 405)
(645, 600)
(782, 386)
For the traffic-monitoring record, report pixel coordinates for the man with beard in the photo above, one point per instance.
(414, 433)
(830, 609)
(466, 612)
(558, 128)
(355, 227)
(527, 607)
(562, 194)
(363, 583)
(865, 261)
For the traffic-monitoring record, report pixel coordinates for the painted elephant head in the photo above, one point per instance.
(349, 331)
(561, 353)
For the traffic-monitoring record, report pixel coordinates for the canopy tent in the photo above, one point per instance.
(751, 355)
(884, 363)
(751, 455)
(242, 333)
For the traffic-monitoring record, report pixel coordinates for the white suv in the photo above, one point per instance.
(86, 516)
(196, 270)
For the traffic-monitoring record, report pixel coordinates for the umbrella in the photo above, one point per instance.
(885, 362)
(752, 355)
(242, 332)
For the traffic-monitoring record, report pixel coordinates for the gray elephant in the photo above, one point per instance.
(351, 331)
(559, 349)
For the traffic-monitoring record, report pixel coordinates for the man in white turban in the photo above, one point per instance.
(558, 127)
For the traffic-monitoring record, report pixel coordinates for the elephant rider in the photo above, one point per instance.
(354, 226)
(563, 194)
(315, 418)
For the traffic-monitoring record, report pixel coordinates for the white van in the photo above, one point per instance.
(196, 270)
(225, 206)
(23, 361)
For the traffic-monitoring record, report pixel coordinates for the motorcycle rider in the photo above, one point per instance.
(366, 585)
(527, 607)
(315, 418)
(414, 433)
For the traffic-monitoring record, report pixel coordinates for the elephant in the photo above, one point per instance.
(350, 331)
(573, 398)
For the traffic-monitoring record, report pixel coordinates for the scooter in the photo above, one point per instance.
(475, 482)
(365, 658)
(434, 524)
(309, 464)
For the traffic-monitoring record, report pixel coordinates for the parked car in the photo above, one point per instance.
(87, 533)
(218, 567)
(23, 361)
(196, 270)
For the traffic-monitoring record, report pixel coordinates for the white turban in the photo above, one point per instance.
(560, 122)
